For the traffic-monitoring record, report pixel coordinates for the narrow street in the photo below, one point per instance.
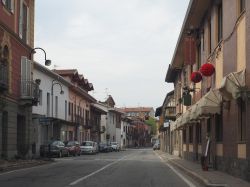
(131, 168)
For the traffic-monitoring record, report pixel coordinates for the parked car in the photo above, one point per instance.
(115, 146)
(89, 147)
(156, 146)
(104, 147)
(73, 148)
(54, 148)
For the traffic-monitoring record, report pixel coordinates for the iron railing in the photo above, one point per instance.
(30, 90)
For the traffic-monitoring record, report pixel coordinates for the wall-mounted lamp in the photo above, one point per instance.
(47, 61)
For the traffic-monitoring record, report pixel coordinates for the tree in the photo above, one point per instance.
(152, 123)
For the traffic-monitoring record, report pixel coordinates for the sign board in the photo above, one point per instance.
(44, 120)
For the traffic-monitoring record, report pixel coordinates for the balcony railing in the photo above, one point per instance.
(3, 77)
(29, 92)
(170, 112)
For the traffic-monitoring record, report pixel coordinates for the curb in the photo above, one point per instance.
(17, 166)
(195, 176)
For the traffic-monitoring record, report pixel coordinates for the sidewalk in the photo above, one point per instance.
(20, 164)
(206, 178)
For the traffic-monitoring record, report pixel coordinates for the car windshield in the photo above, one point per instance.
(87, 144)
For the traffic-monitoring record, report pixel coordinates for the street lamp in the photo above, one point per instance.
(54, 82)
(47, 61)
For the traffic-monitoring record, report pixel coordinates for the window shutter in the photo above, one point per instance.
(189, 50)
(12, 6)
(26, 67)
(23, 68)
(21, 20)
(28, 27)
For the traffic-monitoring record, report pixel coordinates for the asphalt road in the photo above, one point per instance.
(130, 168)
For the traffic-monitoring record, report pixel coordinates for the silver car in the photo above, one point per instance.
(89, 147)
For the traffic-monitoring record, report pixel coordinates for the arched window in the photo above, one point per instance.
(4, 68)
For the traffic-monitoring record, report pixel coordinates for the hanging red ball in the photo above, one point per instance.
(207, 69)
(196, 77)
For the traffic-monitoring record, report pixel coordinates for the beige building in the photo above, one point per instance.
(210, 72)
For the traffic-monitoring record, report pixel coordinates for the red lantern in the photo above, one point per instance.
(196, 77)
(207, 69)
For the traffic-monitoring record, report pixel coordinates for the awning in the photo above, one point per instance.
(209, 104)
(232, 85)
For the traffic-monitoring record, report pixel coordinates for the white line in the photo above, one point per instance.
(177, 173)
(97, 171)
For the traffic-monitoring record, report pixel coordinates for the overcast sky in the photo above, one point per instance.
(123, 47)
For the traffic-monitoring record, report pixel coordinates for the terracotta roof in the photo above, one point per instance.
(75, 77)
(137, 109)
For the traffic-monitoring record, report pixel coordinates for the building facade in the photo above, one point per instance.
(210, 72)
(17, 88)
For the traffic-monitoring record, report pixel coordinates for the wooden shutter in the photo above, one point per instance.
(189, 50)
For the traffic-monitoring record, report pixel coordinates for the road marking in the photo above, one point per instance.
(176, 172)
(97, 171)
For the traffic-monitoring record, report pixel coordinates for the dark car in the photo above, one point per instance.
(103, 147)
(73, 148)
(54, 148)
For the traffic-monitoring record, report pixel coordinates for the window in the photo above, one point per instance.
(69, 109)
(66, 109)
(198, 133)
(24, 22)
(9, 5)
(191, 134)
(242, 6)
(48, 104)
(209, 37)
(220, 24)
(198, 56)
(218, 128)
(241, 120)
(4, 63)
(40, 97)
(56, 106)
(184, 136)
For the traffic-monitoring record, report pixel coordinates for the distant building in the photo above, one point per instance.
(138, 112)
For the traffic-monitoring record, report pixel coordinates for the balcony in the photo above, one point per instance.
(3, 77)
(170, 112)
(29, 92)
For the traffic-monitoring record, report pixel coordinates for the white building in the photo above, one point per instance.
(50, 115)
